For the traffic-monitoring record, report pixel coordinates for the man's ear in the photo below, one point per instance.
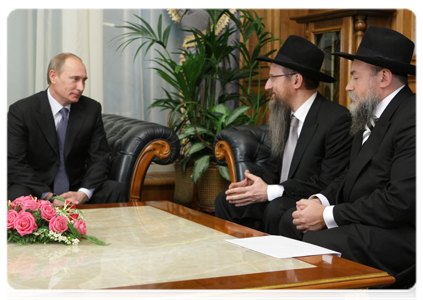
(386, 77)
(52, 75)
(298, 80)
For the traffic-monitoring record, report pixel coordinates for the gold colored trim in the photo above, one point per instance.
(321, 281)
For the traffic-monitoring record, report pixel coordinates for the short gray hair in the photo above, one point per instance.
(57, 62)
(402, 78)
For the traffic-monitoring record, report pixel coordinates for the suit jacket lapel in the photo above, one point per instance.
(309, 127)
(75, 124)
(45, 120)
(356, 145)
(371, 146)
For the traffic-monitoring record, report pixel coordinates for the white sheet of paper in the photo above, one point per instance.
(281, 247)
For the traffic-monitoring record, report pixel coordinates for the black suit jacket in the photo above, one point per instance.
(379, 188)
(322, 151)
(33, 151)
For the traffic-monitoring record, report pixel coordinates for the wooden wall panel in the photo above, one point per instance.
(280, 22)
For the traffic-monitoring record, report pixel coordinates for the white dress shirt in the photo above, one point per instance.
(276, 190)
(328, 212)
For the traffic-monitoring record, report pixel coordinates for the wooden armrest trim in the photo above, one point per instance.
(160, 149)
(223, 151)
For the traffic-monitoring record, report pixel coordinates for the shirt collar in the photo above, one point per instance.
(55, 106)
(302, 112)
(384, 103)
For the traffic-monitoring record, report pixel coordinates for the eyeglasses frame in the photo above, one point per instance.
(271, 77)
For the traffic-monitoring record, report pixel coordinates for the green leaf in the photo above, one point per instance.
(224, 171)
(200, 167)
(190, 131)
(235, 114)
(95, 240)
(59, 198)
(196, 148)
(221, 108)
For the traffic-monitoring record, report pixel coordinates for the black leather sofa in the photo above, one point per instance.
(134, 145)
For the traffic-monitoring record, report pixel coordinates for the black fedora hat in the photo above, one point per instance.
(385, 48)
(302, 56)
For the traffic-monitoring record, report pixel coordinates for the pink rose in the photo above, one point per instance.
(47, 211)
(25, 198)
(58, 224)
(80, 226)
(11, 216)
(25, 223)
(43, 202)
(15, 203)
(29, 204)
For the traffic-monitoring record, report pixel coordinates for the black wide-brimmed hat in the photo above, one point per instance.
(302, 56)
(385, 48)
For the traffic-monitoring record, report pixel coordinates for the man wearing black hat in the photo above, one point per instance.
(310, 141)
(369, 213)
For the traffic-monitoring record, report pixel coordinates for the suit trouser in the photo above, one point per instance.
(392, 250)
(109, 192)
(264, 216)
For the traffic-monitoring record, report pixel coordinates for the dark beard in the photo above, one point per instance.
(278, 124)
(362, 114)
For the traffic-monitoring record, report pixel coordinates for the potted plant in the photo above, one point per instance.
(197, 106)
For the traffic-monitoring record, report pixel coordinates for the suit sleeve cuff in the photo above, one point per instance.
(328, 217)
(274, 191)
(87, 192)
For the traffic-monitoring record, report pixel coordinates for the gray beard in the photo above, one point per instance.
(278, 124)
(362, 114)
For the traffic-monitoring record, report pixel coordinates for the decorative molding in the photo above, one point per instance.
(340, 13)
(160, 149)
(223, 151)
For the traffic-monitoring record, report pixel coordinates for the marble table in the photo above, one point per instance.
(163, 245)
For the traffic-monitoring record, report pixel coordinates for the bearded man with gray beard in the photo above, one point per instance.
(310, 141)
(368, 214)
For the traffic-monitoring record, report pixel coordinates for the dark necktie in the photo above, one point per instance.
(291, 143)
(368, 129)
(61, 181)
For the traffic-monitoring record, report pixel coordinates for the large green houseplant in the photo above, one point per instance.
(197, 105)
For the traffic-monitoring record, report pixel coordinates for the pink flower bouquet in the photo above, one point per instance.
(34, 221)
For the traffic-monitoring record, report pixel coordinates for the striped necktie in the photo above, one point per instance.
(368, 129)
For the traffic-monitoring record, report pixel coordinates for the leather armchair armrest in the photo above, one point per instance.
(134, 144)
(243, 147)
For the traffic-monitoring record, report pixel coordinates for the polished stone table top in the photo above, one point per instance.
(148, 246)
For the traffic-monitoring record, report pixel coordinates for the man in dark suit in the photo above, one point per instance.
(56, 141)
(310, 141)
(368, 214)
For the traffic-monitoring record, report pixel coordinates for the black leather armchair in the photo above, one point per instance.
(134, 144)
(243, 147)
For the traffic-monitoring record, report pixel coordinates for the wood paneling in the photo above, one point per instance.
(351, 22)
(414, 81)
(158, 186)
